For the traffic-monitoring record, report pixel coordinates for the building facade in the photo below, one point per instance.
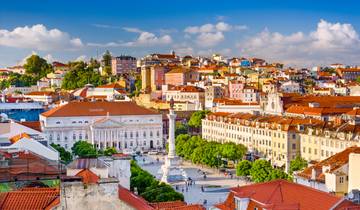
(123, 125)
(123, 64)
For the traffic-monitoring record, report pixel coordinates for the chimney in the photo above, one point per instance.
(313, 174)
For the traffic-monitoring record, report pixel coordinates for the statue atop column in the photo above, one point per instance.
(171, 169)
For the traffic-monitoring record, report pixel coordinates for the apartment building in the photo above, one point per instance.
(272, 137)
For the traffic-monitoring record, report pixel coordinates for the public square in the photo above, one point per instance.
(215, 186)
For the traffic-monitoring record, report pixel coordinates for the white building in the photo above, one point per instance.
(290, 87)
(123, 125)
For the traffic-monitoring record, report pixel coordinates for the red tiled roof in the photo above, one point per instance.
(133, 200)
(40, 93)
(281, 194)
(111, 85)
(32, 124)
(169, 204)
(187, 88)
(98, 108)
(88, 177)
(334, 162)
(18, 137)
(30, 198)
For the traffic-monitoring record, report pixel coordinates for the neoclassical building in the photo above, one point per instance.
(123, 125)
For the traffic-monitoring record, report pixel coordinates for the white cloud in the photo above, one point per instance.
(81, 58)
(38, 37)
(330, 42)
(132, 30)
(209, 35)
(207, 28)
(145, 39)
(49, 58)
(149, 39)
(105, 26)
(210, 39)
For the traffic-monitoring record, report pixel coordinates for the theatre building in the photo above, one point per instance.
(123, 125)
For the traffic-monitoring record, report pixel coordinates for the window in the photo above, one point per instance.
(58, 122)
(125, 134)
(50, 137)
(131, 143)
(73, 122)
(144, 134)
(293, 146)
(74, 136)
(341, 180)
(144, 143)
(151, 134)
(58, 137)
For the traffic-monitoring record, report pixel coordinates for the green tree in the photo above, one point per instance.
(83, 149)
(233, 151)
(260, 171)
(106, 60)
(196, 117)
(110, 151)
(81, 74)
(297, 164)
(278, 174)
(181, 128)
(93, 63)
(64, 155)
(37, 66)
(150, 188)
(243, 168)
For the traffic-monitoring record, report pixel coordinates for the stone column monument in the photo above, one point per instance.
(171, 169)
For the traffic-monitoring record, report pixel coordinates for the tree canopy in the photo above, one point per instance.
(260, 171)
(83, 149)
(243, 168)
(37, 66)
(196, 117)
(64, 155)
(297, 164)
(199, 151)
(149, 188)
(81, 74)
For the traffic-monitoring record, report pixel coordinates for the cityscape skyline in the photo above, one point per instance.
(325, 33)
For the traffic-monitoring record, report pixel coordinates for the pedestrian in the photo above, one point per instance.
(182, 190)
(202, 188)
(186, 189)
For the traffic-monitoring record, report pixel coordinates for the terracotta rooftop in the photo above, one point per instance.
(97, 108)
(281, 195)
(32, 124)
(111, 86)
(88, 177)
(40, 93)
(18, 137)
(318, 111)
(139, 203)
(334, 162)
(187, 88)
(30, 198)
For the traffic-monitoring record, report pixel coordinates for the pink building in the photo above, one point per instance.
(123, 64)
(235, 89)
(181, 76)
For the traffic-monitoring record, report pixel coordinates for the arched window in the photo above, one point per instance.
(58, 137)
(157, 133)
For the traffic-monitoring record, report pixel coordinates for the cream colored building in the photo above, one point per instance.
(272, 137)
(338, 174)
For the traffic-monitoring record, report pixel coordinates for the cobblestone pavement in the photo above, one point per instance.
(215, 185)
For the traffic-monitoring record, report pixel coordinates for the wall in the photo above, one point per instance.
(354, 172)
(104, 195)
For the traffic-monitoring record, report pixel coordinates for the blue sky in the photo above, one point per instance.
(301, 33)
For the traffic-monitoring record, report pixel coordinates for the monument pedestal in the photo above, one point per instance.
(171, 170)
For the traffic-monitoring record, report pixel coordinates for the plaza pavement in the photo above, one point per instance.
(193, 193)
